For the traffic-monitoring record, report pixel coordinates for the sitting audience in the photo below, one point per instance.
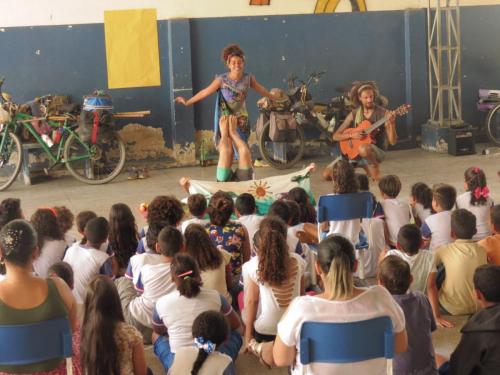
(281, 209)
(214, 264)
(477, 200)
(64, 271)
(308, 212)
(246, 211)
(275, 278)
(27, 298)
(123, 236)
(10, 209)
(421, 261)
(394, 274)
(492, 243)
(210, 331)
(341, 301)
(87, 260)
(396, 213)
(436, 229)
(459, 261)
(50, 240)
(65, 219)
(197, 206)
(109, 345)
(82, 218)
(175, 312)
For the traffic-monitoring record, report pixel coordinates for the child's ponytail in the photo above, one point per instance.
(186, 275)
(476, 184)
(210, 330)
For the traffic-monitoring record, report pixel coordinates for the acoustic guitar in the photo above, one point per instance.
(350, 147)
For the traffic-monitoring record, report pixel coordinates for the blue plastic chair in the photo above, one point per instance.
(347, 342)
(25, 344)
(345, 207)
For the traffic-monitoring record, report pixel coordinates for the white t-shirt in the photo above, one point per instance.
(156, 281)
(137, 262)
(51, 253)
(375, 236)
(193, 220)
(270, 312)
(437, 227)
(251, 223)
(482, 214)
(348, 228)
(374, 302)
(421, 265)
(86, 263)
(421, 212)
(396, 215)
(178, 313)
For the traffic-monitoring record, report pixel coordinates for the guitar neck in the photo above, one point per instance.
(377, 124)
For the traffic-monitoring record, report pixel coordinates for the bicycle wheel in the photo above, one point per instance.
(11, 157)
(281, 155)
(493, 125)
(95, 163)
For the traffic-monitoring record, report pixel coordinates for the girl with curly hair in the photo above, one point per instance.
(273, 279)
(477, 200)
(232, 129)
(10, 209)
(65, 219)
(123, 236)
(50, 240)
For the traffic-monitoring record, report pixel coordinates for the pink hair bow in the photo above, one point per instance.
(481, 192)
(476, 170)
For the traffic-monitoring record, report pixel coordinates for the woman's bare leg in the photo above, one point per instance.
(244, 155)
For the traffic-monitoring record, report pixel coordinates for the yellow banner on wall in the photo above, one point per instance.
(132, 55)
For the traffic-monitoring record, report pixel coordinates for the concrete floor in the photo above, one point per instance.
(410, 165)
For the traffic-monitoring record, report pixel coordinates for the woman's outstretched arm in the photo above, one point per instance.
(200, 95)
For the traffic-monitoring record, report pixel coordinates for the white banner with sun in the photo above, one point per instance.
(265, 190)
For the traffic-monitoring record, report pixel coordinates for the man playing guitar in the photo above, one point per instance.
(370, 155)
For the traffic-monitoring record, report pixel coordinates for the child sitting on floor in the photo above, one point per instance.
(459, 259)
(421, 202)
(197, 206)
(492, 243)
(477, 200)
(421, 261)
(87, 260)
(246, 211)
(82, 218)
(64, 271)
(65, 219)
(210, 331)
(436, 229)
(396, 213)
(394, 275)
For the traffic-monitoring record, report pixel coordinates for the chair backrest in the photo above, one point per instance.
(346, 342)
(25, 344)
(345, 206)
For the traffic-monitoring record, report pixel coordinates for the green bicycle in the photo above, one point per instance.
(91, 163)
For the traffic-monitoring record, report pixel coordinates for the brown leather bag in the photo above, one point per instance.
(283, 127)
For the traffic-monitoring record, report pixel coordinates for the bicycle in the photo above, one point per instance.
(489, 100)
(90, 162)
(298, 103)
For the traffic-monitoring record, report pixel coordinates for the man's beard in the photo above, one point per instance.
(369, 105)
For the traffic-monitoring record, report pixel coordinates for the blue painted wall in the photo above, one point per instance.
(389, 47)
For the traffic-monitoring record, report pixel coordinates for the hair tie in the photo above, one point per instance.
(476, 170)
(207, 345)
(184, 274)
(481, 192)
(51, 209)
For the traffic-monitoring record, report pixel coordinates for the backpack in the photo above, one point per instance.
(96, 116)
(283, 127)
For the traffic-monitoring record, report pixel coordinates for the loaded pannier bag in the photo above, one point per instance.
(283, 127)
(96, 116)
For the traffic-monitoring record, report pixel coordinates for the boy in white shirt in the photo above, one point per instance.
(246, 211)
(421, 261)
(137, 261)
(436, 229)
(396, 213)
(197, 206)
(87, 260)
(154, 281)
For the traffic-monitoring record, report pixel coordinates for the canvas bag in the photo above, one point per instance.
(283, 127)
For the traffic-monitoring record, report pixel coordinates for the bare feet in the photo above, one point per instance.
(185, 184)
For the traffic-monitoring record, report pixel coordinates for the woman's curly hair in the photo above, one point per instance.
(273, 251)
(65, 218)
(230, 51)
(10, 209)
(165, 208)
(220, 208)
(45, 223)
(344, 178)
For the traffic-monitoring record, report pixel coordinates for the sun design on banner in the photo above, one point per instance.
(260, 190)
